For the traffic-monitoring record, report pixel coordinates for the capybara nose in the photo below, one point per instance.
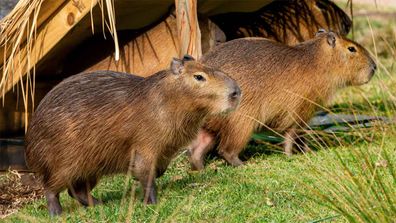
(374, 66)
(235, 94)
(373, 69)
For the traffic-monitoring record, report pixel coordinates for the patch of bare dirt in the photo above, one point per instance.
(16, 190)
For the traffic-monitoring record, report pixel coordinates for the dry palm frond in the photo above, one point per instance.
(110, 23)
(16, 29)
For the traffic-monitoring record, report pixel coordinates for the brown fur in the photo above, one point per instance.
(281, 85)
(289, 22)
(106, 122)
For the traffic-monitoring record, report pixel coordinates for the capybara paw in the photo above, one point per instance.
(150, 196)
(234, 161)
(54, 210)
(84, 200)
(307, 149)
(94, 202)
(196, 164)
(288, 153)
(149, 201)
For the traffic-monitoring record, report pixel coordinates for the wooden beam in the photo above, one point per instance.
(48, 35)
(188, 28)
(48, 7)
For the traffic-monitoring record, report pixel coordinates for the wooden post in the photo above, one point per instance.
(188, 28)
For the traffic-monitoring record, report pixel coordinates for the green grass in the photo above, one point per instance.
(269, 188)
(346, 180)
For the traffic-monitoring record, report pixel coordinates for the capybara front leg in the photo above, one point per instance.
(81, 191)
(233, 139)
(146, 173)
(53, 203)
(199, 148)
(288, 143)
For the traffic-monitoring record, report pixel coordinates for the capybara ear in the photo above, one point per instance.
(177, 66)
(331, 39)
(187, 57)
(320, 31)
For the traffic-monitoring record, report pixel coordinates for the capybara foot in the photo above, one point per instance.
(150, 196)
(54, 207)
(288, 153)
(197, 163)
(289, 143)
(84, 198)
(307, 149)
(288, 150)
(233, 160)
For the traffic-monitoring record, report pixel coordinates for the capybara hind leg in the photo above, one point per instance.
(301, 145)
(294, 142)
(233, 139)
(53, 203)
(81, 191)
(199, 148)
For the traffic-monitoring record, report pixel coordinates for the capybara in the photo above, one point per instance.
(289, 22)
(94, 124)
(282, 86)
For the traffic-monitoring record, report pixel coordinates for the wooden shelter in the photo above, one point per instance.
(44, 41)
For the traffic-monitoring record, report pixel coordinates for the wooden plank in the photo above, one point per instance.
(12, 154)
(48, 7)
(188, 28)
(48, 35)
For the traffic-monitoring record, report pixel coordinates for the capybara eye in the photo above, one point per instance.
(199, 77)
(352, 49)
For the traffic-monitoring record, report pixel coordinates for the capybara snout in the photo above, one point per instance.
(234, 94)
(354, 61)
(234, 97)
(212, 87)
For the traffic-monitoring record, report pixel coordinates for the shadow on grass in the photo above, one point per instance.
(381, 106)
(316, 142)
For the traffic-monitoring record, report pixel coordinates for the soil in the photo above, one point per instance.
(16, 190)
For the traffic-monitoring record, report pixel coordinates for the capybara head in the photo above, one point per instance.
(208, 87)
(353, 61)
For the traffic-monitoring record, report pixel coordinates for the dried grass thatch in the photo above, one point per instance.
(18, 34)
(16, 29)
